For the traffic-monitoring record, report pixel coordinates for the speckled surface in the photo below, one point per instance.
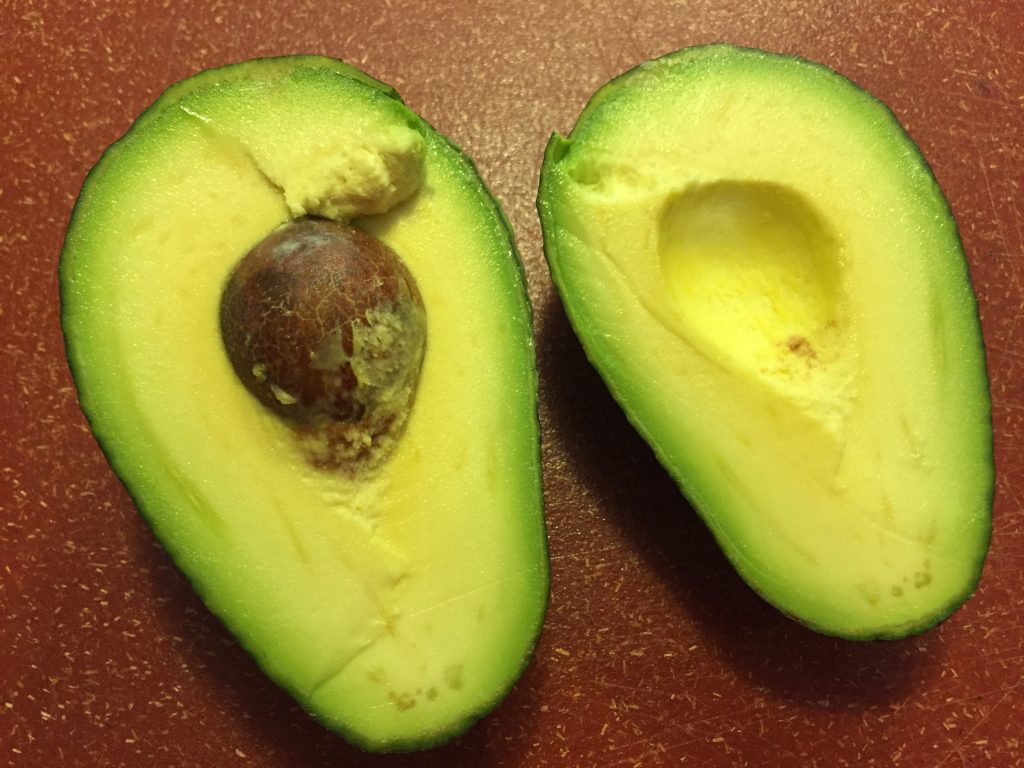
(654, 652)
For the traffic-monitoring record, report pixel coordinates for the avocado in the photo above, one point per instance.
(298, 326)
(761, 266)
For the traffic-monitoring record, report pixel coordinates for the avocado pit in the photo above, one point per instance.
(325, 326)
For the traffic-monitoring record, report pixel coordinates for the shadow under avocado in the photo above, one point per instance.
(764, 646)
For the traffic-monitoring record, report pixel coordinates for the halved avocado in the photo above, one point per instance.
(397, 595)
(760, 264)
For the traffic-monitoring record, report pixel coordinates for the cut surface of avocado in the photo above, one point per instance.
(761, 266)
(397, 604)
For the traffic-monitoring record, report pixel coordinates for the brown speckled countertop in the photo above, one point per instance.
(654, 652)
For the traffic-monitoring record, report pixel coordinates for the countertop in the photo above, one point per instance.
(654, 652)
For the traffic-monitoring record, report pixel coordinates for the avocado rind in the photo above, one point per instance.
(142, 475)
(565, 227)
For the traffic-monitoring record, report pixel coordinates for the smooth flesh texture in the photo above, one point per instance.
(397, 608)
(761, 266)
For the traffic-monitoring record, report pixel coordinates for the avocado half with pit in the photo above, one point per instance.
(760, 264)
(298, 326)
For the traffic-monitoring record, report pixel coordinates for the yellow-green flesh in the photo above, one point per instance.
(766, 274)
(398, 608)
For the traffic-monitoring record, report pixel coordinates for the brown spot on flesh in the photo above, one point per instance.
(453, 677)
(799, 345)
(402, 701)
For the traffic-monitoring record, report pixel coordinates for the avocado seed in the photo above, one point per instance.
(325, 326)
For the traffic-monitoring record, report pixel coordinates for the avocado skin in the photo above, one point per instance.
(120, 462)
(558, 147)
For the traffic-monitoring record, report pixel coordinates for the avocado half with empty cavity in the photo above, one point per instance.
(299, 329)
(763, 269)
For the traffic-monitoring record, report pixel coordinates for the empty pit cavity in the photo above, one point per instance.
(755, 273)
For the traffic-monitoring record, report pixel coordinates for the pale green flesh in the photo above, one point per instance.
(399, 608)
(764, 271)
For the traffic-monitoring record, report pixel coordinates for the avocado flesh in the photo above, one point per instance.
(397, 607)
(764, 271)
